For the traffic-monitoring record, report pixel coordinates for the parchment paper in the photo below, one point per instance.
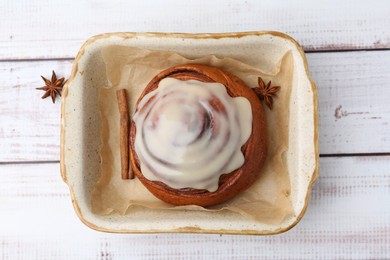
(266, 201)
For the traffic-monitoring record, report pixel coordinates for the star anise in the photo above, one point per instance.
(266, 92)
(52, 87)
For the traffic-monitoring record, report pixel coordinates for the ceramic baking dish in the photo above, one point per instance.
(81, 125)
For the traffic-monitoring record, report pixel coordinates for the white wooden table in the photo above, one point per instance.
(348, 50)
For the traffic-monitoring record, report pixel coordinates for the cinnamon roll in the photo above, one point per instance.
(198, 136)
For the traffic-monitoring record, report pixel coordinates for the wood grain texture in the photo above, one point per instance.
(56, 29)
(29, 126)
(348, 218)
(349, 213)
(353, 94)
(353, 88)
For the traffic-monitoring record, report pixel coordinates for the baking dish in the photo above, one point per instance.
(80, 130)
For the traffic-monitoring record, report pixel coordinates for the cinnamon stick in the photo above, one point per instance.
(126, 172)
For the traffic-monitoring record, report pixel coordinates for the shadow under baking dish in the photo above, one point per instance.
(81, 124)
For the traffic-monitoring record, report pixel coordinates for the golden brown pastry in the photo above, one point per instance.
(198, 136)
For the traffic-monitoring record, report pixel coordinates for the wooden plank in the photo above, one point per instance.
(353, 94)
(353, 91)
(29, 126)
(348, 218)
(353, 101)
(57, 29)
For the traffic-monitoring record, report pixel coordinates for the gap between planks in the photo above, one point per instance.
(354, 154)
(306, 51)
(321, 156)
(30, 162)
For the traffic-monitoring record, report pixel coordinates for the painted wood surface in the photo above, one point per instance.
(56, 29)
(349, 213)
(353, 87)
(29, 126)
(353, 94)
(346, 219)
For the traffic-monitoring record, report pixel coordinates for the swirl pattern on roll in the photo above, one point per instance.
(191, 132)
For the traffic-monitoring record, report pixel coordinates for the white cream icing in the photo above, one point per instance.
(185, 142)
